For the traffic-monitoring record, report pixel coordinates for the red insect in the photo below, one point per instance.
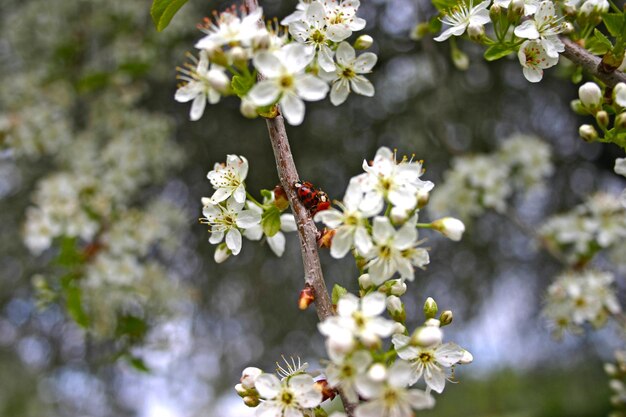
(315, 200)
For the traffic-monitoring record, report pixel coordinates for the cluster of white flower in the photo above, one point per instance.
(576, 298)
(535, 37)
(599, 223)
(354, 340)
(620, 169)
(394, 187)
(231, 212)
(617, 372)
(477, 182)
(296, 66)
(592, 100)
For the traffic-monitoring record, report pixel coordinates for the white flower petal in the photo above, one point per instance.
(292, 108)
(267, 385)
(311, 88)
(264, 93)
(233, 241)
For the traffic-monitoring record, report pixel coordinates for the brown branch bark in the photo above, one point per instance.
(307, 231)
(591, 63)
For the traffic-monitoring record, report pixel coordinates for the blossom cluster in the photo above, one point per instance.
(373, 362)
(231, 212)
(597, 224)
(300, 61)
(529, 28)
(580, 297)
(602, 105)
(477, 182)
(617, 372)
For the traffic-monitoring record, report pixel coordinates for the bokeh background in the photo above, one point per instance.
(243, 312)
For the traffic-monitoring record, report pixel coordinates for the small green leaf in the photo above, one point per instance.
(614, 23)
(131, 326)
(270, 221)
(138, 364)
(241, 84)
(598, 44)
(338, 292)
(498, 51)
(162, 12)
(93, 82)
(73, 300)
(267, 195)
(434, 25)
(69, 255)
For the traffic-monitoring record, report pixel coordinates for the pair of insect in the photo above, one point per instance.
(314, 199)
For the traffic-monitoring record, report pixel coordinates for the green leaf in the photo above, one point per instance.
(614, 23)
(241, 84)
(498, 51)
(131, 326)
(73, 300)
(162, 12)
(138, 364)
(93, 82)
(69, 255)
(338, 292)
(599, 44)
(270, 221)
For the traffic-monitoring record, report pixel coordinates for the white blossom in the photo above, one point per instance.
(227, 220)
(430, 362)
(347, 75)
(343, 373)
(534, 59)
(545, 26)
(619, 94)
(391, 397)
(228, 179)
(349, 223)
(462, 16)
(230, 29)
(292, 397)
(394, 250)
(200, 85)
(286, 81)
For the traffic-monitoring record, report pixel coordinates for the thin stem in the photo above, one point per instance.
(254, 200)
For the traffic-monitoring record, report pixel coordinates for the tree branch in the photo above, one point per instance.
(591, 63)
(307, 231)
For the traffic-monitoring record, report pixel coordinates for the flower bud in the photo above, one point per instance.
(399, 215)
(377, 372)
(494, 12)
(426, 336)
(395, 307)
(221, 253)
(419, 31)
(590, 96)
(363, 42)
(577, 107)
(249, 375)
(620, 121)
(616, 385)
(218, 80)
(432, 323)
(430, 308)
(619, 94)
(466, 358)
(422, 198)
(476, 31)
(588, 133)
(365, 281)
(280, 198)
(602, 118)
(568, 28)
(241, 391)
(460, 59)
(238, 56)
(251, 401)
(398, 328)
(397, 287)
(450, 227)
(516, 10)
(610, 369)
(446, 318)
(248, 109)
(307, 296)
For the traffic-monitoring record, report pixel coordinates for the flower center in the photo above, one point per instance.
(359, 320)
(385, 252)
(390, 397)
(348, 73)
(426, 357)
(318, 37)
(286, 398)
(347, 371)
(286, 82)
